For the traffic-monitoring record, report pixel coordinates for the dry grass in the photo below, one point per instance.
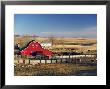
(58, 40)
(51, 69)
(93, 47)
(59, 43)
(56, 69)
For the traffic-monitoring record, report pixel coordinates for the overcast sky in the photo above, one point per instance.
(58, 25)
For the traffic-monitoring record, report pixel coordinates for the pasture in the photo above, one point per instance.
(84, 63)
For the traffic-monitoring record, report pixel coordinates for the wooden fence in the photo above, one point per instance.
(84, 58)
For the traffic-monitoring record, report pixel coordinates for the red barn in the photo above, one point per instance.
(34, 46)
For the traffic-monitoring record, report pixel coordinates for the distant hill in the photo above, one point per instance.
(17, 35)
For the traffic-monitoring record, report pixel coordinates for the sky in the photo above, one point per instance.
(57, 25)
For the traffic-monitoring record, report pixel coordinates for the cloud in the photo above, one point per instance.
(90, 32)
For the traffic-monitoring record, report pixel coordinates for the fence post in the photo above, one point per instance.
(75, 59)
(61, 58)
(18, 61)
(69, 55)
(45, 61)
(40, 60)
(85, 55)
(24, 61)
(29, 61)
(51, 60)
(56, 60)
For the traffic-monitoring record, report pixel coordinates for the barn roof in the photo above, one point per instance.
(34, 46)
(26, 45)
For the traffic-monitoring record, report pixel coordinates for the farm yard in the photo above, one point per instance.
(71, 56)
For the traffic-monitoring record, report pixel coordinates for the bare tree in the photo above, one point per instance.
(51, 39)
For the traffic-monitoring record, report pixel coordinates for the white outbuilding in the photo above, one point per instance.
(46, 44)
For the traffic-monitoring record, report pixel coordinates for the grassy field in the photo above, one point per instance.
(55, 70)
(62, 44)
(85, 45)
